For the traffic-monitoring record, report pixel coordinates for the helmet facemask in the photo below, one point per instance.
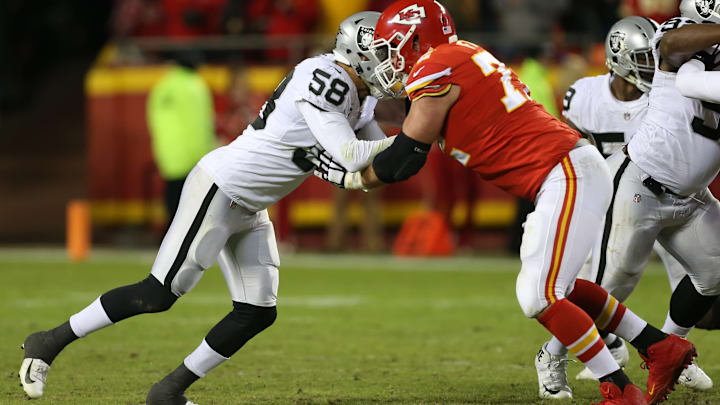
(628, 51)
(391, 71)
(637, 67)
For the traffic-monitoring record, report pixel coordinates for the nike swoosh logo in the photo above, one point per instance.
(29, 380)
(651, 390)
(550, 391)
(418, 71)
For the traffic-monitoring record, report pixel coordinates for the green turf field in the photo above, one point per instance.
(350, 330)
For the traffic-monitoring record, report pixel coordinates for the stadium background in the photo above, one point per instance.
(352, 329)
(75, 81)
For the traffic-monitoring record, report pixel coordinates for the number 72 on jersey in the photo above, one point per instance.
(514, 97)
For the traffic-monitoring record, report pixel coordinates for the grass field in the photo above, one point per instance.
(350, 330)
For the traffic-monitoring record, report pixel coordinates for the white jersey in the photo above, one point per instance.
(256, 169)
(677, 143)
(591, 107)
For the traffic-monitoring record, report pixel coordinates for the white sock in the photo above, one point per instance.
(609, 339)
(90, 319)
(671, 327)
(630, 326)
(556, 348)
(602, 363)
(203, 359)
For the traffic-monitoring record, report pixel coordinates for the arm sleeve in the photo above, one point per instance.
(333, 132)
(371, 132)
(694, 82)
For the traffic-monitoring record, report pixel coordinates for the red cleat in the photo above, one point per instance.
(665, 361)
(613, 396)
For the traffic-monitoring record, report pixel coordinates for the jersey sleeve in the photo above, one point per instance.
(574, 105)
(669, 25)
(323, 85)
(429, 77)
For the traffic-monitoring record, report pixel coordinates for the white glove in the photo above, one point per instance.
(334, 173)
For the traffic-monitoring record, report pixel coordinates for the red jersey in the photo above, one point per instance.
(494, 127)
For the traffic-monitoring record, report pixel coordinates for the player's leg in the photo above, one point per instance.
(558, 237)
(623, 249)
(696, 244)
(249, 262)
(692, 377)
(177, 268)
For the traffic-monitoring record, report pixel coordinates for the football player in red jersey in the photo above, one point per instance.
(482, 115)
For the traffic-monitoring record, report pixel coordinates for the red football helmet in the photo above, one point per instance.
(406, 30)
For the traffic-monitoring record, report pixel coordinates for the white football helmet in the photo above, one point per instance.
(701, 11)
(628, 50)
(352, 48)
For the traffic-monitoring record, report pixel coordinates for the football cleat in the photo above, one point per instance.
(693, 377)
(33, 374)
(613, 396)
(552, 375)
(665, 362)
(39, 353)
(619, 352)
(162, 394)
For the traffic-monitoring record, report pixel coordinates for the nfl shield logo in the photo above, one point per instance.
(627, 116)
(637, 198)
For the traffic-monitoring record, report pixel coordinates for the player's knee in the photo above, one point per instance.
(260, 289)
(153, 296)
(530, 301)
(253, 317)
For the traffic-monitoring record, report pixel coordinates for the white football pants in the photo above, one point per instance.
(560, 233)
(688, 228)
(208, 226)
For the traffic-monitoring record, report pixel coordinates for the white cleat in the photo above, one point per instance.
(552, 375)
(33, 374)
(693, 377)
(620, 354)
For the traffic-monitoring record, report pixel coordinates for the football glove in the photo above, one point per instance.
(326, 168)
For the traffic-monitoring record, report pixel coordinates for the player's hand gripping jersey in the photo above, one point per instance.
(313, 105)
(677, 143)
(494, 127)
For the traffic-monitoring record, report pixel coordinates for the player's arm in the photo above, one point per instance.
(407, 155)
(333, 132)
(679, 45)
(695, 82)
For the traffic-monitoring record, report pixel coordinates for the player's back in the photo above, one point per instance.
(677, 143)
(494, 127)
(590, 105)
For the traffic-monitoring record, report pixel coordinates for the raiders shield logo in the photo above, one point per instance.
(617, 41)
(705, 7)
(365, 38)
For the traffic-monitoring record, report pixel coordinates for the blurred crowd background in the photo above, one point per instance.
(79, 120)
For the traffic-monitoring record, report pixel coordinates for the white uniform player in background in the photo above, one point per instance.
(608, 109)
(222, 214)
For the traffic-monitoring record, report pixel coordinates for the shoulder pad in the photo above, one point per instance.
(324, 84)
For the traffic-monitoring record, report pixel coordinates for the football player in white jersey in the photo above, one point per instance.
(222, 214)
(661, 177)
(608, 109)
